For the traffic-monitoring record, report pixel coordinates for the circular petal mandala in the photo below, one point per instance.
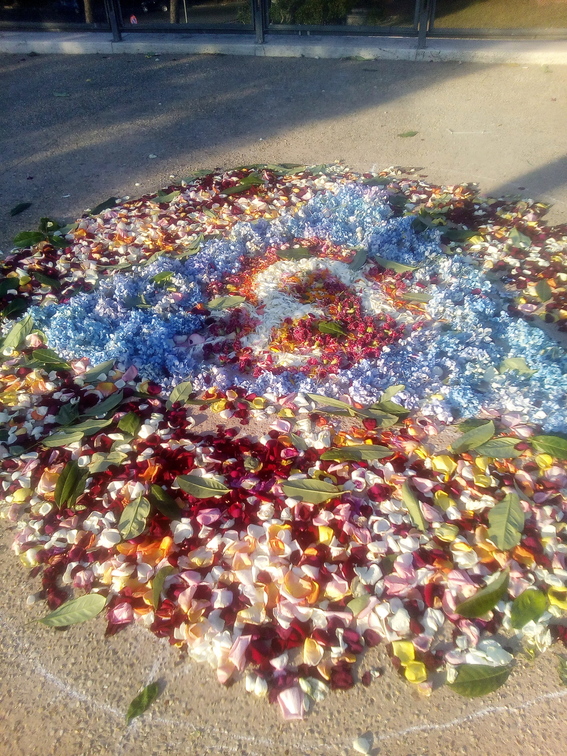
(354, 320)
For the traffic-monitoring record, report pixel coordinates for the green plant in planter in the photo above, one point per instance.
(310, 12)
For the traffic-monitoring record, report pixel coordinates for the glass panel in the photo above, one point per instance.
(54, 11)
(199, 12)
(501, 14)
(343, 12)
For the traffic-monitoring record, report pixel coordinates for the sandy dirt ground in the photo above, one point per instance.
(76, 130)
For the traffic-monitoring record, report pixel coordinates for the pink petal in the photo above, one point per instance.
(291, 703)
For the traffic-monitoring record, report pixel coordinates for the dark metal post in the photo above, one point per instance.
(423, 24)
(113, 13)
(259, 16)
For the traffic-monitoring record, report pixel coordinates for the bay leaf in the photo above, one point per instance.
(555, 446)
(485, 599)
(200, 487)
(310, 490)
(133, 518)
(157, 583)
(142, 701)
(412, 505)
(475, 680)
(76, 610)
(527, 607)
(474, 438)
(179, 394)
(506, 522)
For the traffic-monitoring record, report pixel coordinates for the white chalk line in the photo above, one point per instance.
(470, 717)
(82, 697)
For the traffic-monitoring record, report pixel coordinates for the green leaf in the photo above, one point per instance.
(358, 260)
(133, 518)
(383, 419)
(200, 487)
(527, 607)
(89, 427)
(406, 134)
(486, 598)
(470, 423)
(49, 359)
(158, 581)
(76, 610)
(299, 442)
(57, 241)
(555, 446)
(506, 522)
(294, 253)
(330, 402)
(416, 296)
(224, 303)
(62, 438)
(310, 490)
(474, 438)
(165, 197)
(515, 363)
(544, 290)
(247, 183)
(390, 408)
(142, 701)
(500, 448)
(20, 208)
(331, 327)
(130, 423)
(108, 404)
(163, 502)
(391, 392)
(100, 462)
(378, 181)
(180, 394)
(518, 239)
(475, 680)
(562, 669)
(15, 307)
(393, 265)
(412, 505)
(70, 485)
(8, 284)
(28, 239)
(96, 371)
(18, 333)
(106, 205)
(67, 414)
(162, 277)
(50, 281)
(365, 452)
(48, 225)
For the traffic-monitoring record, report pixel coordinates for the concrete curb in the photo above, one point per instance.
(527, 52)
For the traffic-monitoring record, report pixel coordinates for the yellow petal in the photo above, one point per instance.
(404, 650)
(558, 597)
(447, 532)
(443, 500)
(443, 463)
(483, 481)
(326, 534)
(543, 461)
(21, 495)
(416, 672)
(312, 652)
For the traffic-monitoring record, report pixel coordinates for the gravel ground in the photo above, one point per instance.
(76, 130)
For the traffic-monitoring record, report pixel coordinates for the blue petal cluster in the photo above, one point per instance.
(450, 367)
